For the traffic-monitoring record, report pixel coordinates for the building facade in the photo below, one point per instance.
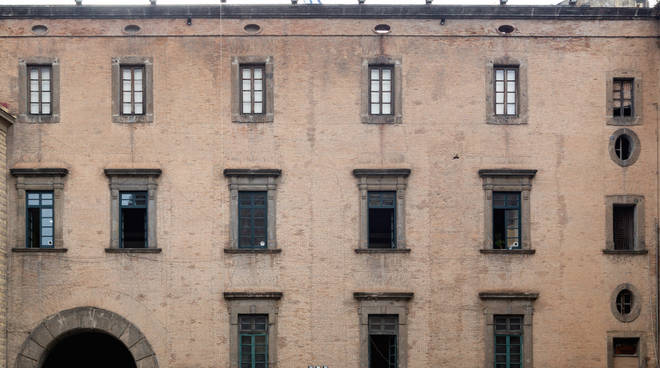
(342, 186)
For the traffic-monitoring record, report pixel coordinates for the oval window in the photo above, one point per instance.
(624, 301)
(39, 29)
(252, 28)
(506, 28)
(132, 28)
(622, 147)
(382, 28)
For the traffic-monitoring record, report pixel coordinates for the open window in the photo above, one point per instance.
(626, 349)
(39, 219)
(624, 97)
(383, 341)
(382, 219)
(506, 220)
(133, 220)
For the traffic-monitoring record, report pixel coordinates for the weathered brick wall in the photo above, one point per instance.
(175, 297)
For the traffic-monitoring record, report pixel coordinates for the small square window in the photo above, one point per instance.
(133, 220)
(39, 219)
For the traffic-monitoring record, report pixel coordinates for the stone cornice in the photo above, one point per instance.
(45, 171)
(507, 295)
(234, 295)
(381, 172)
(507, 172)
(132, 172)
(383, 295)
(252, 172)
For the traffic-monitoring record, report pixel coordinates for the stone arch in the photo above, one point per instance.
(49, 331)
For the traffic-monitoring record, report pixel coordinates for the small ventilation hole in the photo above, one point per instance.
(382, 28)
(39, 29)
(252, 28)
(132, 28)
(506, 28)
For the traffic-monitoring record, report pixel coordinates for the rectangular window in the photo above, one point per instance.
(506, 90)
(624, 227)
(39, 219)
(506, 220)
(380, 89)
(622, 97)
(253, 338)
(252, 219)
(626, 353)
(508, 341)
(132, 89)
(133, 219)
(383, 341)
(252, 89)
(39, 87)
(382, 219)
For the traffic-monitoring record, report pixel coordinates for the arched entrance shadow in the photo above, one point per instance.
(56, 328)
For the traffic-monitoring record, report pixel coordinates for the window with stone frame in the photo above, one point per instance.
(626, 349)
(133, 194)
(382, 209)
(624, 224)
(507, 210)
(39, 89)
(509, 322)
(132, 89)
(252, 210)
(626, 302)
(624, 97)
(506, 91)
(252, 89)
(253, 328)
(40, 193)
(383, 320)
(381, 90)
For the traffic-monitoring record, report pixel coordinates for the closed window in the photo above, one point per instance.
(39, 85)
(508, 341)
(253, 341)
(506, 90)
(622, 97)
(252, 89)
(133, 220)
(506, 220)
(381, 81)
(132, 90)
(252, 221)
(624, 227)
(383, 341)
(39, 219)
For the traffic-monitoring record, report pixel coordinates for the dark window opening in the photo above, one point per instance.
(623, 147)
(624, 227)
(383, 332)
(626, 346)
(508, 341)
(622, 97)
(506, 220)
(382, 219)
(252, 219)
(624, 301)
(253, 339)
(89, 349)
(133, 209)
(39, 220)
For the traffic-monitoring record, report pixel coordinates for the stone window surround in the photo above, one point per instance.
(521, 95)
(641, 346)
(266, 303)
(383, 303)
(508, 303)
(507, 180)
(23, 110)
(252, 180)
(133, 180)
(28, 179)
(148, 63)
(397, 90)
(636, 119)
(639, 231)
(382, 180)
(636, 147)
(636, 303)
(269, 111)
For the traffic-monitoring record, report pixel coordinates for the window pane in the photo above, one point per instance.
(46, 231)
(33, 202)
(47, 195)
(499, 75)
(375, 86)
(375, 74)
(247, 96)
(375, 97)
(511, 109)
(258, 108)
(375, 109)
(138, 96)
(137, 74)
(387, 85)
(34, 96)
(45, 108)
(126, 74)
(511, 86)
(34, 108)
(126, 86)
(387, 74)
(499, 97)
(258, 96)
(627, 89)
(386, 97)
(45, 86)
(126, 96)
(34, 85)
(33, 195)
(126, 109)
(511, 75)
(137, 85)
(247, 73)
(46, 212)
(258, 85)
(46, 240)
(138, 108)
(386, 109)
(499, 86)
(34, 74)
(246, 85)
(511, 97)
(258, 73)
(247, 108)
(499, 109)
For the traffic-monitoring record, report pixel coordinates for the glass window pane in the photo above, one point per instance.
(247, 73)
(47, 202)
(499, 75)
(33, 202)
(138, 96)
(247, 85)
(47, 221)
(138, 108)
(46, 212)
(45, 85)
(45, 108)
(386, 109)
(34, 85)
(46, 240)
(499, 97)
(258, 73)
(511, 86)
(511, 109)
(126, 74)
(33, 195)
(47, 195)
(137, 85)
(258, 108)
(511, 97)
(45, 72)
(126, 96)
(258, 96)
(387, 74)
(499, 86)
(137, 74)
(375, 109)
(387, 86)
(34, 108)
(34, 74)
(247, 96)
(34, 96)
(375, 74)
(258, 85)
(247, 108)
(46, 231)
(375, 86)
(126, 109)
(386, 97)
(375, 97)
(499, 109)
(126, 86)
(510, 75)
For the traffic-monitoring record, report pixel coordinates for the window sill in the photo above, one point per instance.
(507, 251)
(252, 251)
(626, 252)
(624, 121)
(39, 250)
(506, 120)
(253, 118)
(38, 119)
(133, 250)
(130, 119)
(381, 250)
(381, 119)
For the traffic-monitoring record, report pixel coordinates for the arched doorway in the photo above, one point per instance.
(86, 337)
(88, 348)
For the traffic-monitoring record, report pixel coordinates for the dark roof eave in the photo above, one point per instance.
(326, 11)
